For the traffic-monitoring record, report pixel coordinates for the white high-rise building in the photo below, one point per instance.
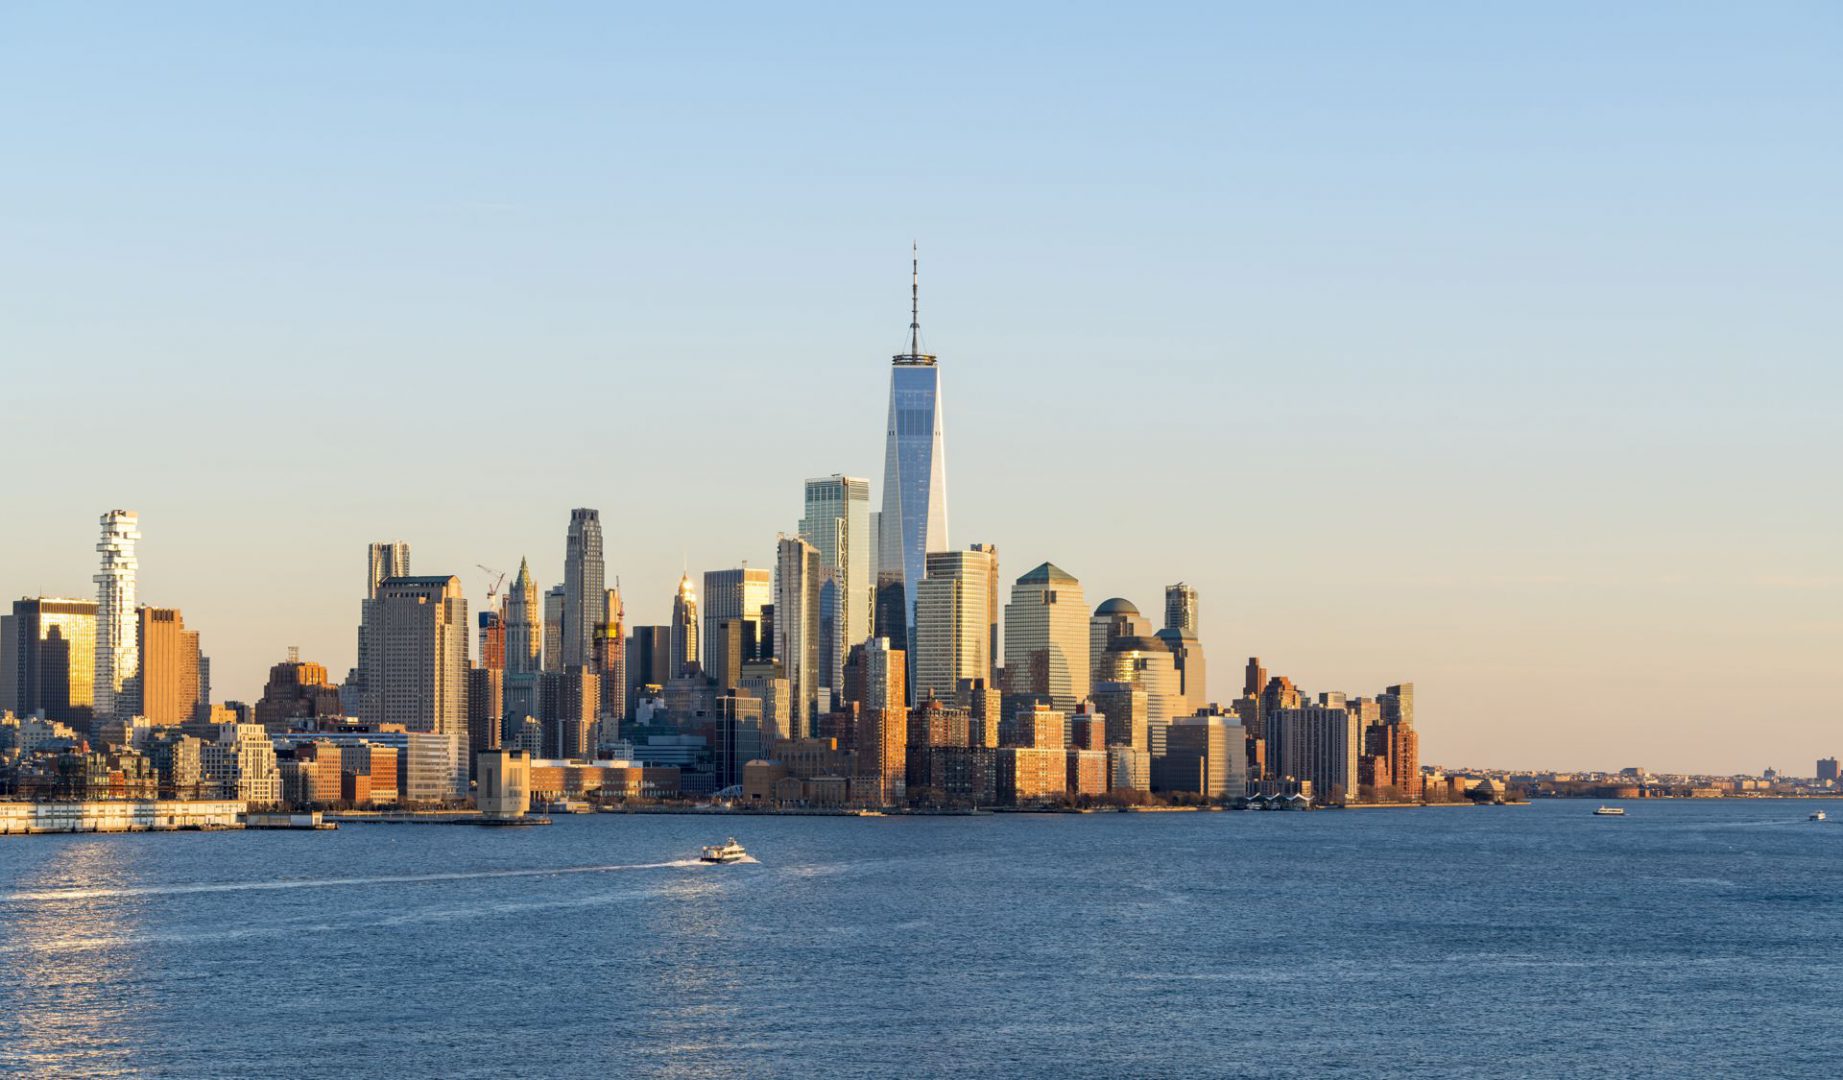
(584, 574)
(952, 635)
(118, 654)
(914, 516)
(796, 628)
(837, 522)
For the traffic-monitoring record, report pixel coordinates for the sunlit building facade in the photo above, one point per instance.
(1046, 639)
(48, 653)
(952, 635)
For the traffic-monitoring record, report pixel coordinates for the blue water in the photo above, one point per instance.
(1687, 937)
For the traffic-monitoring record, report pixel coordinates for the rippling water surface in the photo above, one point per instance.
(1685, 937)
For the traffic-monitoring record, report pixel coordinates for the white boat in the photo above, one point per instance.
(1819, 816)
(1610, 811)
(727, 852)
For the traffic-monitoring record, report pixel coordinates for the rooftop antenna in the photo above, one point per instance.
(914, 298)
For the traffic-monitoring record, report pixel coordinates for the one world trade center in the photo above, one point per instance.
(914, 517)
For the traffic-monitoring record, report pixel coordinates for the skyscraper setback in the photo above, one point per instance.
(584, 573)
(118, 655)
(914, 516)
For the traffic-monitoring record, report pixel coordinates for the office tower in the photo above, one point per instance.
(951, 629)
(1127, 708)
(1318, 743)
(486, 689)
(837, 522)
(118, 656)
(685, 629)
(418, 673)
(739, 735)
(1114, 618)
(1397, 704)
(880, 687)
(1181, 607)
(611, 654)
(991, 613)
(524, 630)
(1204, 756)
(649, 654)
(524, 625)
(1255, 680)
(170, 660)
(384, 559)
(797, 578)
(553, 628)
(1186, 650)
(1147, 663)
(1046, 639)
(737, 596)
(49, 655)
(914, 516)
(584, 573)
(724, 652)
(569, 703)
(764, 679)
(1827, 770)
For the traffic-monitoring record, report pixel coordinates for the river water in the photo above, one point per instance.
(1516, 941)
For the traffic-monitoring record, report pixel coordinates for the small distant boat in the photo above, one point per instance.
(1610, 811)
(1819, 816)
(727, 852)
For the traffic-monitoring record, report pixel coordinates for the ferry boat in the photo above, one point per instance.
(727, 852)
(1610, 811)
(1819, 816)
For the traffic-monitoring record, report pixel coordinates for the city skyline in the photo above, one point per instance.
(1452, 350)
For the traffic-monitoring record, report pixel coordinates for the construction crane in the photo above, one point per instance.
(499, 579)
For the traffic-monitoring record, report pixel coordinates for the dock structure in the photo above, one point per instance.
(120, 815)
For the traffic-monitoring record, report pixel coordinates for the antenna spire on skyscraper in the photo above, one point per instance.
(914, 298)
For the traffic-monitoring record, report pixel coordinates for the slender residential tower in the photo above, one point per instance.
(584, 599)
(914, 517)
(118, 653)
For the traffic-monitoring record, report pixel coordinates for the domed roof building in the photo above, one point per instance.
(1115, 618)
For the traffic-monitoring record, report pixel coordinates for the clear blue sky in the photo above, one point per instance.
(1491, 348)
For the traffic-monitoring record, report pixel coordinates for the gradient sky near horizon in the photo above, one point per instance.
(1493, 349)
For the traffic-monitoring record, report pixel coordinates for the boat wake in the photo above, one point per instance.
(40, 896)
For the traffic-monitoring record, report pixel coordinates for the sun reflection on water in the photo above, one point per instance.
(68, 1011)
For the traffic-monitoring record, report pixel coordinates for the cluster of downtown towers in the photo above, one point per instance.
(862, 611)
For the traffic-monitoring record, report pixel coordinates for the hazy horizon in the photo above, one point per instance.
(1492, 351)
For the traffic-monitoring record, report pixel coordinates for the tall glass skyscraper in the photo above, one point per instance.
(914, 517)
(837, 522)
(584, 596)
